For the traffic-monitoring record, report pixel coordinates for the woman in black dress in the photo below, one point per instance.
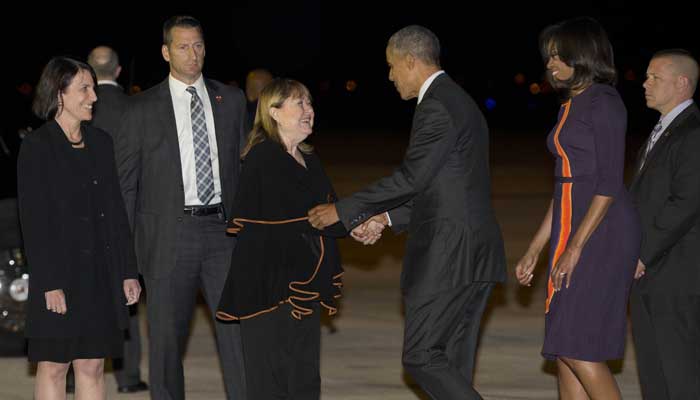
(76, 234)
(283, 272)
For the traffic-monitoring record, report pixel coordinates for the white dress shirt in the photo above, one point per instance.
(183, 121)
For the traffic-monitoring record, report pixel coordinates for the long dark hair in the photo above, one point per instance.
(581, 43)
(55, 79)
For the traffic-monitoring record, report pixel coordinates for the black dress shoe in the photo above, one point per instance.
(136, 387)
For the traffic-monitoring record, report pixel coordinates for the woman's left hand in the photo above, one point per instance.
(565, 267)
(132, 291)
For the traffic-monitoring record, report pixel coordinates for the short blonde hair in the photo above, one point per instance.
(265, 127)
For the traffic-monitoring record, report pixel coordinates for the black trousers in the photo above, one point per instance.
(127, 370)
(282, 355)
(440, 340)
(666, 331)
(203, 261)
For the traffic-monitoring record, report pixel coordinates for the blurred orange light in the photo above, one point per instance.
(519, 78)
(351, 85)
(630, 75)
(535, 88)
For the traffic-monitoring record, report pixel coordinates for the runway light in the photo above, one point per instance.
(535, 88)
(490, 104)
(351, 85)
(519, 79)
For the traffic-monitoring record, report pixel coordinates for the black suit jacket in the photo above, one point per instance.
(441, 193)
(50, 198)
(150, 170)
(110, 107)
(666, 192)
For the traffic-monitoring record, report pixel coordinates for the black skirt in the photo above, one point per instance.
(63, 350)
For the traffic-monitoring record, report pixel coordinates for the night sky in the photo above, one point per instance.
(325, 46)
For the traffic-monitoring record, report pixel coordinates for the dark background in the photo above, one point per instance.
(326, 44)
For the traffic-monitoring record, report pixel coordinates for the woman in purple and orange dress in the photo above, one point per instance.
(591, 225)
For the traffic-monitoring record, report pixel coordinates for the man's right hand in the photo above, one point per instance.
(56, 301)
(371, 230)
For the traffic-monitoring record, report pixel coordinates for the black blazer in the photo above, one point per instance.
(109, 109)
(441, 193)
(150, 170)
(46, 189)
(666, 192)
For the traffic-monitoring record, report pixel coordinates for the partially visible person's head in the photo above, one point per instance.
(255, 81)
(105, 61)
(66, 89)
(672, 77)
(577, 53)
(183, 48)
(284, 108)
(411, 53)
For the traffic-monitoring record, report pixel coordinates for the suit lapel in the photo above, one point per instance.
(659, 145)
(220, 127)
(167, 119)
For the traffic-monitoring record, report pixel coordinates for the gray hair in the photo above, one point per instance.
(417, 41)
(105, 61)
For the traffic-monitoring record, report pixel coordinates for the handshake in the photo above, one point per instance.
(366, 233)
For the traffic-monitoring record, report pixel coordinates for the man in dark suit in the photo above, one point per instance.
(665, 300)
(178, 159)
(111, 103)
(107, 115)
(441, 195)
(255, 82)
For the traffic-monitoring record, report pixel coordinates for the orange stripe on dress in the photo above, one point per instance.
(565, 218)
(564, 232)
(565, 166)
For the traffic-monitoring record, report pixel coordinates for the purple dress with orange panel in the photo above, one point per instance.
(587, 321)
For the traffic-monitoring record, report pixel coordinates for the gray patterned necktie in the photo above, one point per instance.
(655, 133)
(200, 140)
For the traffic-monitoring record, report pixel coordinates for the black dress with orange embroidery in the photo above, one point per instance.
(279, 258)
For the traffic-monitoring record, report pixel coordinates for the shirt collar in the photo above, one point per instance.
(107, 82)
(668, 118)
(179, 88)
(426, 84)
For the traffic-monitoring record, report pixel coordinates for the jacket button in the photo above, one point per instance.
(94, 182)
(179, 219)
(102, 215)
